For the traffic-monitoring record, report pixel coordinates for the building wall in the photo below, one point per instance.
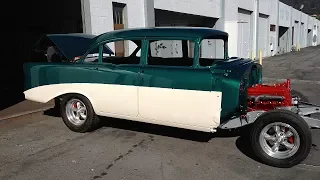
(197, 7)
(98, 18)
(102, 15)
(229, 23)
(304, 30)
(318, 31)
(246, 4)
(284, 15)
(310, 22)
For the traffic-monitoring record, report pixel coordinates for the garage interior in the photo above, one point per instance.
(283, 40)
(170, 18)
(24, 25)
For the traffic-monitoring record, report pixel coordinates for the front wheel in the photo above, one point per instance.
(281, 138)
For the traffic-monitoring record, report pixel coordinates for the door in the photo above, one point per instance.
(244, 34)
(172, 92)
(114, 84)
(263, 35)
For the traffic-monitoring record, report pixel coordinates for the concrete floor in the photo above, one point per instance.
(40, 146)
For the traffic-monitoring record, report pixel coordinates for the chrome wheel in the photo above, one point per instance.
(279, 140)
(76, 112)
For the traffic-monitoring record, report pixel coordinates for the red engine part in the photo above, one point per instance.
(268, 97)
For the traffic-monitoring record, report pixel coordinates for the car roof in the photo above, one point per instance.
(192, 32)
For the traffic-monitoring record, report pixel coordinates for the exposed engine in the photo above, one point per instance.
(268, 97)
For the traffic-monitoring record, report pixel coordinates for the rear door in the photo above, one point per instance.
(172, 92)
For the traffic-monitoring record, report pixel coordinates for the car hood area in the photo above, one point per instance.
(70, 45)
(234, 67)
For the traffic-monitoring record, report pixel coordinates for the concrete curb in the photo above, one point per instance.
(25, 113)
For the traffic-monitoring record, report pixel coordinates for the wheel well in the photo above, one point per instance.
(58, 99)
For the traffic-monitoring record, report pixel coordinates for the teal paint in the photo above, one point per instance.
(223, 75)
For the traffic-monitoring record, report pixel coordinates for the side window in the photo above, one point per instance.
(211, 50)
(170, 53)
(123, 52)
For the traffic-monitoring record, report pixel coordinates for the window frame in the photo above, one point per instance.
(155, 38)
(104, 42)
(225, 47)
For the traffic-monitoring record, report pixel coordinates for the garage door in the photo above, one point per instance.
(263, 35)
(244, 33)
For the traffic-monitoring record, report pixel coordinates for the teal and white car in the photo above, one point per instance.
(180, 77)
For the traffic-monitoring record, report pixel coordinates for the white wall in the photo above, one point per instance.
(98, 16)
(230, 20)
(315, 32)
(246, 4)
(273, 10)
(318, 34)
(266, 6)
(209, 8)
(284, 15)
(295, 15)
(102, 14)
(303, 35)
(310, 22)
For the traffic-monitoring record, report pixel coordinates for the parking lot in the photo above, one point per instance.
(39, 146)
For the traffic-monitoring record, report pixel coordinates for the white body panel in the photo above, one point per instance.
(196, 110)
(192, 108)
(44, 94)
(115, 99)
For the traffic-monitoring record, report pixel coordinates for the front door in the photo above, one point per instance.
(114, 85)
(172, 92)
(114, 89)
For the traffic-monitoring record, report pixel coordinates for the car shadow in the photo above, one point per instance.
(166, 130)
(155, 129)
(244, 146)
(242, 142)
(53, 112)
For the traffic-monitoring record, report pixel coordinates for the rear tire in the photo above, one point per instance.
(267, 146)
(78, 114)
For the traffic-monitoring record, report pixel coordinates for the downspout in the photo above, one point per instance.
(276, 46)
(256, 28)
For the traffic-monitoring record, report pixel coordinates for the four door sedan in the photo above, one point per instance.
(180, 77)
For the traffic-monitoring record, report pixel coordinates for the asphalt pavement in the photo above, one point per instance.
(39, 146)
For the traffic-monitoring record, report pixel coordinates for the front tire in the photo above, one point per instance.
(281, 138)
(78, 114)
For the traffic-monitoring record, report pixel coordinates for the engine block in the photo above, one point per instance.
(269, 96)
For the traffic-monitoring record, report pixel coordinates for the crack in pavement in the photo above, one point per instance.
(104, 173)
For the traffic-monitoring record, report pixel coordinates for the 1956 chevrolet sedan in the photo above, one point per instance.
(174, 76)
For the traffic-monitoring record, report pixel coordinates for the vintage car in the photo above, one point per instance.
(173, 76)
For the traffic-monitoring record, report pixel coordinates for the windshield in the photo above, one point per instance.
(75, 45)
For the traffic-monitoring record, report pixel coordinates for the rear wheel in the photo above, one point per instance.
(281, 138)
(78, 114)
